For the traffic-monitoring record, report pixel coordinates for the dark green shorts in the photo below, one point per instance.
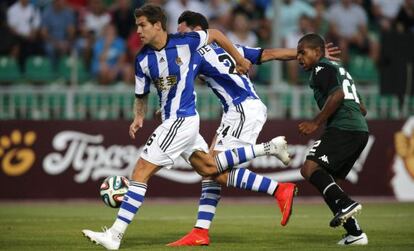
(337, 150)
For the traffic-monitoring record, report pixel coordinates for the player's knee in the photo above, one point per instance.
(305, 172)
(308, 168)
(142, 172)
(207, 171)
(302, 172)
(221, 179)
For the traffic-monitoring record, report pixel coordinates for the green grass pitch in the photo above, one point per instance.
(237, 226)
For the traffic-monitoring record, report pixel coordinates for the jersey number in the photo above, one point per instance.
(315, 145)
(224, 58)
(348, 86)
(225, 131)
(151, 139)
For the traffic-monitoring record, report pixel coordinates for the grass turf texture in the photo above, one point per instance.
(240, 226)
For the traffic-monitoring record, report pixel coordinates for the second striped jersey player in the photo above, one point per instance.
(243, 117)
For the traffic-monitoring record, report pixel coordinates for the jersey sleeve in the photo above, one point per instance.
(142, 81)
(197, 39)
(252, 54)
(326, 78)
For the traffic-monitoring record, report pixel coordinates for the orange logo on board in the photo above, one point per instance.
(16, 156)
(404, 146)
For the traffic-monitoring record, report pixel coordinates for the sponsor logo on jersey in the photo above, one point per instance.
(165, 83)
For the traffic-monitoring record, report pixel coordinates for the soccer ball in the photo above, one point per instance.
(113, 189)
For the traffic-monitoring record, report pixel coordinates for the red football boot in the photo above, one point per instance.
(197, 237)
(284, 196)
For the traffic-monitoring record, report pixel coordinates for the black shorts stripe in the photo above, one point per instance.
(171, 134)
(169, 131)
(239, 129)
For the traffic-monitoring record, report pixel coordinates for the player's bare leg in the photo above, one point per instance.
(111, 238)
(283, 192)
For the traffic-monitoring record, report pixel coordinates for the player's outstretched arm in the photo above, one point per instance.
(278, 54)
(140, 108)
(242, 65)
(285, 54)
(331, 105)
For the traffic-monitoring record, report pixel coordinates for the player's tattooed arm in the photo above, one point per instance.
(140, 108)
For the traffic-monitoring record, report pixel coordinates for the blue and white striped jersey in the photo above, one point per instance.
(172, 71)
(218, 69)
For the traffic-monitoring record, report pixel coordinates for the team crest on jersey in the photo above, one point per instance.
(178, 61)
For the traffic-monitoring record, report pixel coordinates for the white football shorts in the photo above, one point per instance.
(172, 139)
(240, 125)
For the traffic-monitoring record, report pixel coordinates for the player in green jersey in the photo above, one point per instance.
(345, 135)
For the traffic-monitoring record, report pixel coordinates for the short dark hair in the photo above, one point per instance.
(153, 13)
(193, 19)
(313, 41)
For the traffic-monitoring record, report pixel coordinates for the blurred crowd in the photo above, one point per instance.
(103, 32)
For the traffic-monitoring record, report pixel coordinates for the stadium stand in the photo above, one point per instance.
(68, 90)
(9, 70)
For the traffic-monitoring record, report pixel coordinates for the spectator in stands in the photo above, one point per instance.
(110, 58)
(405, 18)
(174, 8)
(58, 30)
(77, 5)
(96, 18)
(290, 13)
(320, 22)
(217, 9)
(306, 25)
(264, 35)
(8, 44)
(219, 14)
(241, 31)
(134, 44)
(92, 21)
(385, 12)
(349, 26)
(249, 8)
(23, 20)
(123, 18)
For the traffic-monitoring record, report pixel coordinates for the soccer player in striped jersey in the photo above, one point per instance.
(168, 61)
(244, 115)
